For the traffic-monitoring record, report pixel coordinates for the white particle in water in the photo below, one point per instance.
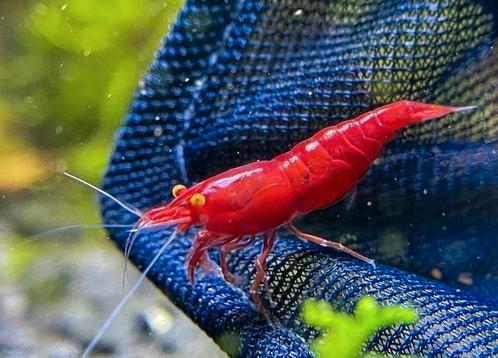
(158, 131)
(298, 12)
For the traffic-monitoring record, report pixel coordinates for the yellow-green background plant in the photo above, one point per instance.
(68, 74)
(68, 70)
(344, 335)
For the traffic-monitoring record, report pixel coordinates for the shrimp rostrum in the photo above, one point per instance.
(256, 199)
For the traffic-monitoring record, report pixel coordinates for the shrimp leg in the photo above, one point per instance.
(203, 241)
(197, 255)
(234, 245)
(325, 243)
(268, 240)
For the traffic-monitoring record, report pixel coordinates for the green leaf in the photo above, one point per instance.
(344, 335)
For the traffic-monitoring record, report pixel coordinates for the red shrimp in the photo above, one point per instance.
(234, 207)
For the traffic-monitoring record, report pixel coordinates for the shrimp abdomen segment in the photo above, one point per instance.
(318, 178)
(325, 167)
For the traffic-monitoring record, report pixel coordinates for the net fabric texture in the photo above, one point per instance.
(237, 81)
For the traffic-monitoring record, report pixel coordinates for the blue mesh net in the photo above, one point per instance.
(237, 81)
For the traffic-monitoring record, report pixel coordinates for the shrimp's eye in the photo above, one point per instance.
(178, 189)
(197, 200)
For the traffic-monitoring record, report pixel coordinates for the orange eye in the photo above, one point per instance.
(177, 189)
(197, 200)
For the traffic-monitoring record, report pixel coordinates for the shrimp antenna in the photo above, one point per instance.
(77, 226)
(133, 233)
(117, 201)
(125, 299)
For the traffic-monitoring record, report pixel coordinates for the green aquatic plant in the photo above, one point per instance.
(344, 335)
(67, 74)
(68, 70)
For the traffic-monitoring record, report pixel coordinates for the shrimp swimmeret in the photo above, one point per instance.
(256, 199)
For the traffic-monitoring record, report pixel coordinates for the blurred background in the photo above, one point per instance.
(68, 70)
